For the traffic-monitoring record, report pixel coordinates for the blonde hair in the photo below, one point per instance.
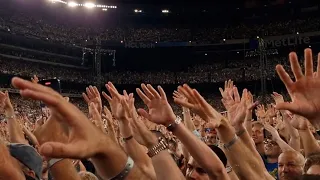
(85, 175)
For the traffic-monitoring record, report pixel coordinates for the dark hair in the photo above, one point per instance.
(310, 177)
(219, 153)
(310, 161)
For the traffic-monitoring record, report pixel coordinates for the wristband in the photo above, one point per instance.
(239, 133)
(127, 138)
(229, 144)
(124, 173)
(52, 162)
(9, 117)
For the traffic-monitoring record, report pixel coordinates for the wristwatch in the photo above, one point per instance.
(173, 125)
(156, 149)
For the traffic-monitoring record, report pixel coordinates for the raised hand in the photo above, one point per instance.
(272, 131)
(93, 95)
(115, 102)
(96, 117)
(160, 111)
(304, 92)
(35, 79)
(226, 93)
(6, 103)
(236, 106)
(260, 111)
(298, 122)
(81, 132)
(200, 106)
(177, 95)
(141, 133)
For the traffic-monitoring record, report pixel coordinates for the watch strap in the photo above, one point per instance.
(173, 125)
(156, 149)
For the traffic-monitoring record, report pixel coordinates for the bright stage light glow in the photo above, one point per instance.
(72, 4)
(89, 5)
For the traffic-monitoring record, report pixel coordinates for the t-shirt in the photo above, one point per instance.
(272, 168)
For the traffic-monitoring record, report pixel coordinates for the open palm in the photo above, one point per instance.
(160, 111)
(304, 91)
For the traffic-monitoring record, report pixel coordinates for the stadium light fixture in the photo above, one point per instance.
(297, 32)
(258, 37)
(224, 39)
(89, 5)
(104, 9)
(138, 11)
(166, 11)
(72, 4)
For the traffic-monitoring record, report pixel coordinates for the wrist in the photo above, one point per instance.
(170, 120)
(239, 128)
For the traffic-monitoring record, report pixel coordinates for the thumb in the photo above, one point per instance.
(60, 150)
(294, 108)
(144, 114)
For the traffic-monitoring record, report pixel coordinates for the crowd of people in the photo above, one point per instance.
(32, 25)
(213, 72)
(111, 136)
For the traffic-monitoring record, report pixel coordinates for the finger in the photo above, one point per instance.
(125, 94)
(153, 91)
(112, 86)
(144, 98)
(231, 83)
(189, 93)
(106, 96)
(114, 93)
(125, 104)
(221, 92)
(23, 84)
(295, 66)
(183, 91)
(70, 113)
(284, 76)
(236, 94)
(308, 62)
(85, 97)
(89, 93)
(207, 107)
(147, 91)
(292, 107)
(60, 150)
(162, 93)
(226, 84)
(144, 114)
(183, 103)
(96, 91)
(244, 95)
(318, 66)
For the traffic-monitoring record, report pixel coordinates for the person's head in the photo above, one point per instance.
(29, 161)
(195, 171)
(271, 148)
(211, 135)
(257, 133)
(312, 165)
(290, 165)
(85, 175)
